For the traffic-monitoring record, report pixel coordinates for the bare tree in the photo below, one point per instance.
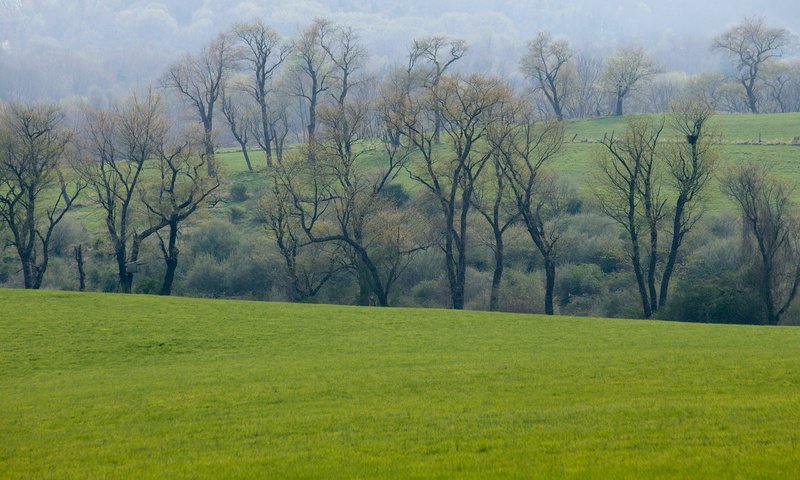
(240, 121)
(264, 53)
(117, 144)
(545, 64)
(199, 79)
(493, 201)
(313, 73)
(32, 149)
(431, 57)
(750, 45)
(767, 208)
(625, 72)
(639, 176)
(309, 266)
(465, 106)
(585, 78)
(538, 200)
(690, 165)
(177, 193)
(280, 122)
(631, 196)
(338, 200)
(781, 82)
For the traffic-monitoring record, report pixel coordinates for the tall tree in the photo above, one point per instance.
(117, 143)
(639, 175)
(199, 80)
(545, 64)
(767, 207)
(690, 164)
(625, 72)
(631, 196)
(32, 149)
(750, 45)
(264, 53)
(180, 188)
(493, 201)
(464, 106)
(338, 199)
(525, 148)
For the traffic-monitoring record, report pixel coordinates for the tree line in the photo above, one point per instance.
(391, 173)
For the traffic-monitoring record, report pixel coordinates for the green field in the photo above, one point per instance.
(107, 386)
(578, 161)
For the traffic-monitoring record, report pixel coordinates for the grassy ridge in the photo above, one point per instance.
(107, 386)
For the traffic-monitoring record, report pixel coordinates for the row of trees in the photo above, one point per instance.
(387, 171)
(268, 87)
(145, 178)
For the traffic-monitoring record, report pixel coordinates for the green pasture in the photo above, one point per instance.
(108, 386)
(577, 163)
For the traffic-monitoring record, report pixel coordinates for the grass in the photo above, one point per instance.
(577, 161)
(107, 386)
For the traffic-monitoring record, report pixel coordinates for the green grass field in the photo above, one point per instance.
(577, 163)
(107, 386)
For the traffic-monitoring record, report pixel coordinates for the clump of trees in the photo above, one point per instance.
(424, 186)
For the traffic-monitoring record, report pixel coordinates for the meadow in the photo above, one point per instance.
(109, 386)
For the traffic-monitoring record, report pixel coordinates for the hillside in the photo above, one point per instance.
(109, 386)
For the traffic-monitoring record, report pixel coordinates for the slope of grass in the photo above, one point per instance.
(106, 386)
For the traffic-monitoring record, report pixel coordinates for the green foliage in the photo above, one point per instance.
(238, 192)
(110, 386)
(720, 299)
(217, 239)
(235, 214)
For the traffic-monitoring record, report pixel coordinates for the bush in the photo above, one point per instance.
(206, 277)
(721, 299)
(396, 194)
(578, 281)
(238, 192)
(217, 239)
(236, 214)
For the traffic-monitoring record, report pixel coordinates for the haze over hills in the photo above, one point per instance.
(53, 49)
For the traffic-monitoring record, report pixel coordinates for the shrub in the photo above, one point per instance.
(236, 214)
(217, 239)
(238, 192)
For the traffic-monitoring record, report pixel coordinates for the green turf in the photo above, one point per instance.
(107, 386)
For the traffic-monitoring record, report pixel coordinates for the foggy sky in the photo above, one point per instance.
(100, 45)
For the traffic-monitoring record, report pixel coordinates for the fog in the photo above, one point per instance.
(52, 49)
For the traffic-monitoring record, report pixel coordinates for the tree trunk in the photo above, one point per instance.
(672, 258)
(125, 279)
(497, 276)
(246, 156)
(618, 109)
(78, 254)
(28, 270)
(171, 260)
(751, 98)
(651, 268)
(208, 142)
(550, 284)
(265, 128)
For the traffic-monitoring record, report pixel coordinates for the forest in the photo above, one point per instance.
(267, 167)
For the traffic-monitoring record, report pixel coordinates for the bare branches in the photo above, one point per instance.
(199, 79)
(32, 148)
(625, 72)
(750, 45)
(767, 208)
(544, 64)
